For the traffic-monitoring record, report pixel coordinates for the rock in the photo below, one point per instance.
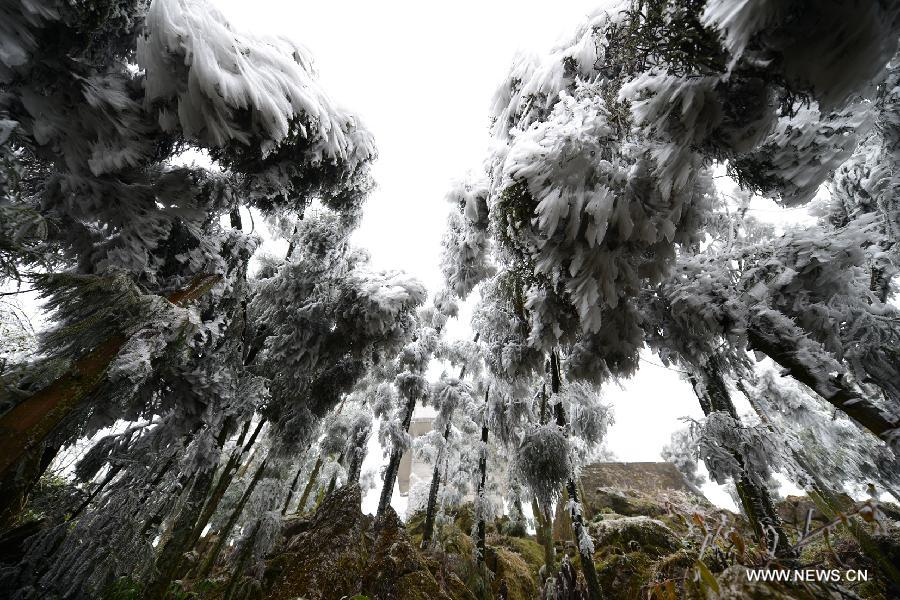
(294, 526)
(396, 569)
(509, 568)
(635, 534)
(341, 552)
(734, 583)
(793, 511)
(629, 503)
(623, 576)
(528, 549)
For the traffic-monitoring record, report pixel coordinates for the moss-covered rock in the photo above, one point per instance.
(734, 583)
(395, 567)
(528, 549)
(512, 562)
(629, 503)
(511, 572)
(625, 576)
(794, 509)
(341, 552)
(634, 534)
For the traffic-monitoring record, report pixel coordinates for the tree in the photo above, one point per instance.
(90, 175)
(94, 142)
(450, 396)
(396, 404)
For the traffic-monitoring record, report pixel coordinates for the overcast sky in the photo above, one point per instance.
(421, 76)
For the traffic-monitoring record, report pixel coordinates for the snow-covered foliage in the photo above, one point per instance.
(807, 292)
(830, 53)
(221, 395)
(821, 444)
(465, 259)
(543, 461)
(570, 195)
(327, 316)
(447, 395)
(587, 418)
(683, 451)
(500, 321)
(731, 450)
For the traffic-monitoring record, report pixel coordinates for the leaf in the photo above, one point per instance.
(738, 542)
(670, 590)
(698, 519)
(707, 577)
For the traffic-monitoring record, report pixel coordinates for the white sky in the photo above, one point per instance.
(421, 76)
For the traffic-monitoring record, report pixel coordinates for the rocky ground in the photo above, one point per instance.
(646, 548)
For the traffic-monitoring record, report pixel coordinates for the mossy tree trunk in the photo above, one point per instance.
(210, 561)
(580, 531)
(357, 455)
(544, 536)
(17, 485)
(178, 541)
(713, 394)
(292, 490)
(225, 479)
(431, 507)
(481, 541)
(310, 483)
(28, 424)
(333, 482)
(241, 566)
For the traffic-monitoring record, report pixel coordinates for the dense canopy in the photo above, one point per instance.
(194, 400)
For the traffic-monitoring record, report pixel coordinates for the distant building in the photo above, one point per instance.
(413, 471)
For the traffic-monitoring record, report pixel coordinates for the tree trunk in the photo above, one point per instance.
(241, 565)
(826, 501)
(757, 503)
(181, 482)
(482, 471)
(581, 533)
(314, 474)
(113, 471)
(235, 217)
(18, 484)
(431, 508)
(28, 424)
(357, 455)
(292, 490)
(390, 473)
(544, 537)
(223, 534)
(763, 335)
(171, 552)
(225, 479)
(333, 483)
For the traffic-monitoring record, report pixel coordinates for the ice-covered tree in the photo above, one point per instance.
(683, 452)
(452, 398)
(94, 141)
(95, 115)
(396, 400)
